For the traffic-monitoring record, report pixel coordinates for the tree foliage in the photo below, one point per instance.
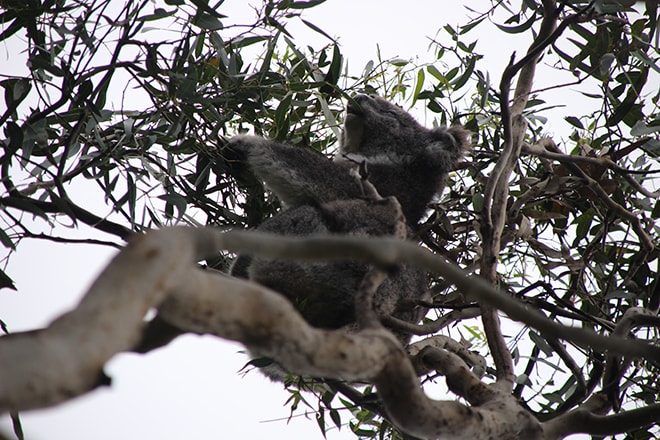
(135, 101)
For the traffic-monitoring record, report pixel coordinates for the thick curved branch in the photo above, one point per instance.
(158, 270)
(445, 343)
(387, 252)
(108, 320)
(460, 379)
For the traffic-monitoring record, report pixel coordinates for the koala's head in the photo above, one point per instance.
(376, 126)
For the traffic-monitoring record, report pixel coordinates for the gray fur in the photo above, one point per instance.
(403, 159)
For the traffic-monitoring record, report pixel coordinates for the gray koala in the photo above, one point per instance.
(403, 159)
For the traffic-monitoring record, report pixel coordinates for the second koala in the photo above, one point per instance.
(403, 159)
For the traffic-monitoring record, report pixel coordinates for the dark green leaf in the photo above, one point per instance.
(14, 134)
(468, 27)
(334, 71)
(5, 240)
(207, 21)
(6, 281)
(520, 28)
(159, 14)
(463, 79)
(277, 25)
(268, 57)
(84, 90)
(320, 420)
(12, 28)
(583, 225)
(16, 90)
(259, 362)
(336, 418)
(575, 122)
(541, 343)
(177, 201)
(317, 29)
(281, 114)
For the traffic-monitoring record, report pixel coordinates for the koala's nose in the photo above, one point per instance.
(356, 106)
(362, 98)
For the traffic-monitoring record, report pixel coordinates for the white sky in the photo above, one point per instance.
(191, 389)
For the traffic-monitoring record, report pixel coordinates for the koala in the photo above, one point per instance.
(403, 160)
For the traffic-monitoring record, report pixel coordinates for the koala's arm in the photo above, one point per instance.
(298, 176)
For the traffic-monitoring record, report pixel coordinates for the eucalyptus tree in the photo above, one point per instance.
(556, 230)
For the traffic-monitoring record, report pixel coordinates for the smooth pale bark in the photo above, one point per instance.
(158, 270)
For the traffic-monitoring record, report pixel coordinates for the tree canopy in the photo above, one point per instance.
(555, 211)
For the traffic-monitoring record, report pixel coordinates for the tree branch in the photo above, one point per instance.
(445, 343)
(159, 269)
(431, 327)
(587, 419)
(460, 379)
(493, 215)
(386, 252)
(570, 162)
(79, 214)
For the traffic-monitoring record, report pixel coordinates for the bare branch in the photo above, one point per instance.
(434, 326)
(493, 216)
(472, 358)
(386, 252)
(149, 272)
(589, 420)
(460, 379)
(111, 312)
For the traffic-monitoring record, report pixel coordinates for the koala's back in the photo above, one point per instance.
(324, 292)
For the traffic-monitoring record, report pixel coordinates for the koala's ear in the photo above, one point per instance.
(455, 138)
(462, 137)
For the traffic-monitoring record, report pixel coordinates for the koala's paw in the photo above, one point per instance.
(246, 142)
(242, 147)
